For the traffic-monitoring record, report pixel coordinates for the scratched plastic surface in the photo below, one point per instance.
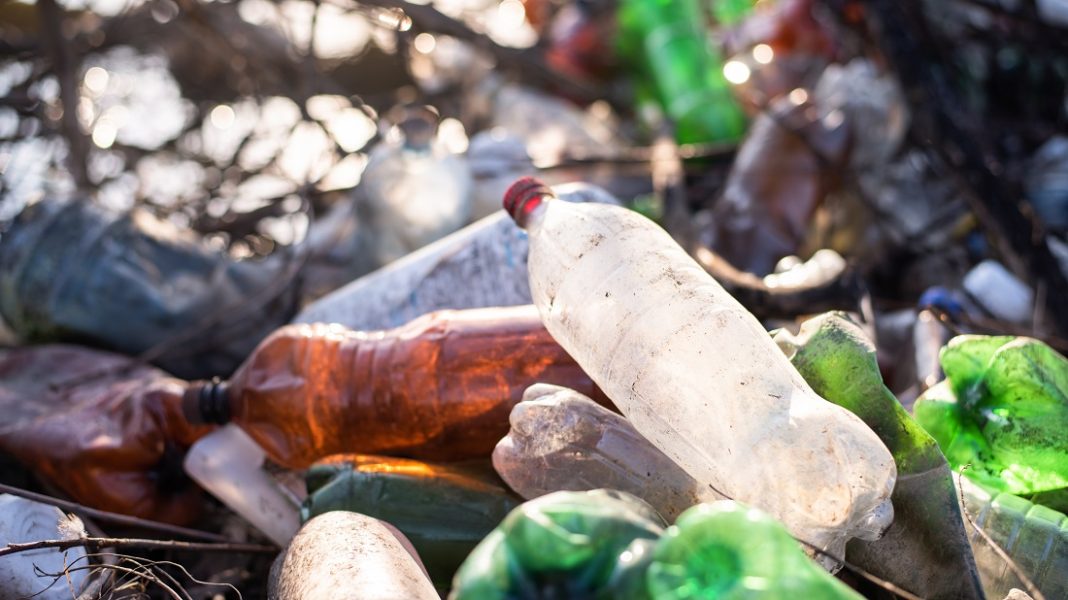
(439, 388)
(1034, 536)
(697, 374)
(562, 440)
(483, 264)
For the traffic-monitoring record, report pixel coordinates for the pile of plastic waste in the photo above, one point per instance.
(606, 389)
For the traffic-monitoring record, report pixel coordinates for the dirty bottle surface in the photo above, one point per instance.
(561, 440)
(344, 555)
(443, 509)
(438, 388)
(695, 372)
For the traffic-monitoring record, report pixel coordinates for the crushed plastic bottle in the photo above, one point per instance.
(666, 44)
(416, 190)
(1003, 409)
(483, 264)
(564, 545)
(344, 555)
(561, 440)
(466, 501)
(439, 388)
(838, 360)
(1035, 537)
(73, 271)
(607, 544)
(40, 573)
(696, 373)
(729, 551)
(103, 428)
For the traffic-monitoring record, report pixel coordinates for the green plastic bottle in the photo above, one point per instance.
(838, 360)
(728, 551)
(562, 545)
(444, 510)
(667, 44)
(1003, 409)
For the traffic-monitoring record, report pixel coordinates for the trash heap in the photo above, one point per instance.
(806, 352)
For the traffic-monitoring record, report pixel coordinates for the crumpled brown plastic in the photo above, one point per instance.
(100, 427)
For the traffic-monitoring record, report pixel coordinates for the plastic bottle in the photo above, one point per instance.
(1034, 536)
(417, 192)
(439, 388)
(103, 428)
(564, 545)
(695, 372)
(73, 271)
(562, 440)
(497, 158)
(483, 264)
(445, 510)
(40, 573)
(1003, 409)
(665, 41)
(344, 555)
(838, 360)
(729, 551)
(229, 464)
(1000, 292)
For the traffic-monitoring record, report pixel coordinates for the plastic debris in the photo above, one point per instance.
(838, 360)
(481, 265)
(40, 573)
(416, 190)
(1034, 537)
(443, 509)
(348, 556)
(561, 440)
(566, 544)
(678, 66)
(1003, 409)
(1000, 292)
(103, 428)
(74, 271)
(439, 388)
(229, 464)
(696, 373)
(730, 551)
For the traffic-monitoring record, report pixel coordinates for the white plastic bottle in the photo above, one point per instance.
(695, 372)
(417, 191)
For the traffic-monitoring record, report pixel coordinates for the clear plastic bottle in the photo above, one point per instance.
(562, 441)
(417, 191)
(695, 372)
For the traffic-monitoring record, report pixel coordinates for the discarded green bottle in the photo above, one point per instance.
(727, 551)
(444, 510)
(1003, 408)
(562, 545)
(838, 360)
(669, 47)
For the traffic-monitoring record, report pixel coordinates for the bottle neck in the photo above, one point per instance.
(207, 402)
(524, 197)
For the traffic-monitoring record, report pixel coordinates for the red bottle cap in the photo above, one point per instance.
(523, 197)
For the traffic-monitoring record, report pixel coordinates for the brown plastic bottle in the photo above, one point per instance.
(438, 388)
(107, 431)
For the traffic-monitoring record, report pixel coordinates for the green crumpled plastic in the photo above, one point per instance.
(562, 545)
(1003, 409)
